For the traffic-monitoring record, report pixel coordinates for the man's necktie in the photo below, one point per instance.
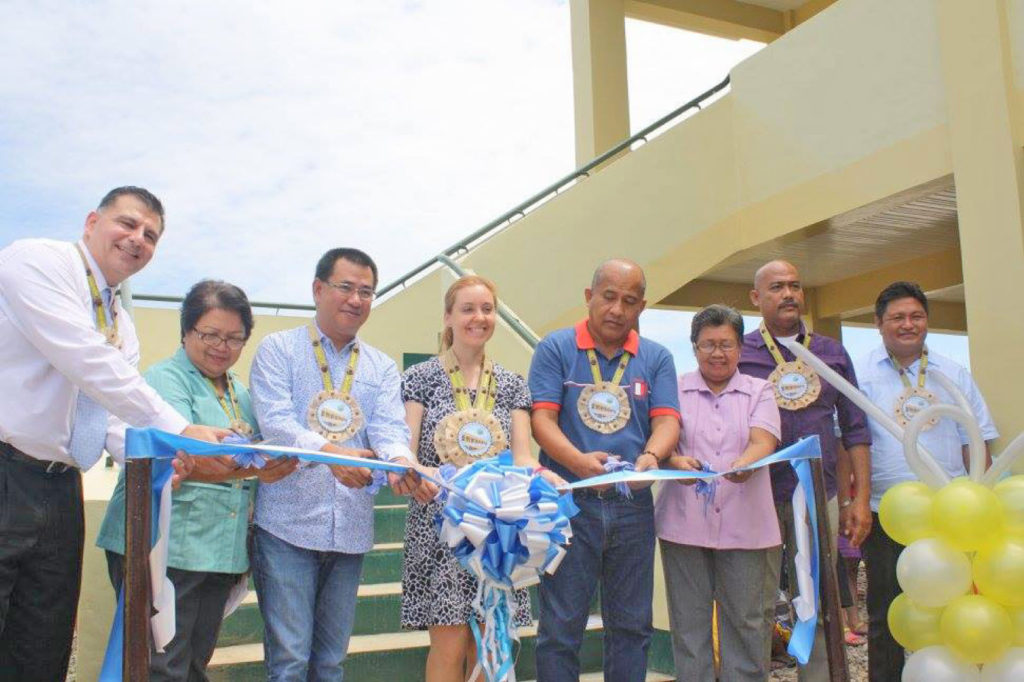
(89, 428)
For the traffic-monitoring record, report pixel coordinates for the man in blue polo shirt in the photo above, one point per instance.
(599, 390)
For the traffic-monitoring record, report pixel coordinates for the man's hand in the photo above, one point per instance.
(684, 463)
(211, 434)
(855, 521)
(275, 469)
(350, 477)
(407, 483)
(644, 462)
(590, 464)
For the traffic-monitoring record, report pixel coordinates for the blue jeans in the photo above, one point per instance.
(308, 602)
(612, 545)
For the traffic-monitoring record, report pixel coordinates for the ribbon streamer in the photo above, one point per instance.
(162, 447)
(807, 448)
(615, 463)
(506, 526)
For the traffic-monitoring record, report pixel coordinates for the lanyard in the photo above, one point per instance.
(224, 403)
(595, 368)
(485, 392)
(921, 370)
(325, 370)
(97, 300)
(774, 350)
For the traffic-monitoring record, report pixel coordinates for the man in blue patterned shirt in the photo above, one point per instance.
(318, 387)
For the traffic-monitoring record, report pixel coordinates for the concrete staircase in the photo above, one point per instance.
(379, 649)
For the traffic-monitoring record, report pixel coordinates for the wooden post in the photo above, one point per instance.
(830, 607)
(137, 599)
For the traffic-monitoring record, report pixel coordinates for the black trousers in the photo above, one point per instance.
(199, 599)
(885, 655)
(42, 534)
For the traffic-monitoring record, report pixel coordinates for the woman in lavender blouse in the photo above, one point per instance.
(715, 543)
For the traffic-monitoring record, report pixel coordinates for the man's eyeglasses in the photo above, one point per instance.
(347, 289)
(709, 347)
(213, 340)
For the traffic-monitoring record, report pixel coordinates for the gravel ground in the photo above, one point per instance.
(856, 656)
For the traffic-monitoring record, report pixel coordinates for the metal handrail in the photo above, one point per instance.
(583, 171)
(464, 244)
(506, 313)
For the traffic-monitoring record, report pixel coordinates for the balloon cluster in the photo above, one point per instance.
(507, 526)
(962, 571)
(962, 574)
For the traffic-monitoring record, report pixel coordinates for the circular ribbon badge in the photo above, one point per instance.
(468, 435)
(912, 401)
(334, 416)
(242, 428)
(604, 407)
(796, 385)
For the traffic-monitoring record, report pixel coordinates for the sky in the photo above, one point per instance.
(273, 131)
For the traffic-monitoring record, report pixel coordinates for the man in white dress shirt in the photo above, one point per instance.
(68, 361)
(899, 376)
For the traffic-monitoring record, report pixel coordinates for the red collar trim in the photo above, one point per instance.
(584, 341)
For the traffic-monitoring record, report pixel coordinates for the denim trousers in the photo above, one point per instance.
(612, 546)
(308, 601)
(42, 535)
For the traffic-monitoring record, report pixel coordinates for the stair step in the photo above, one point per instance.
(378, 610)
(395, 656)
(389, 523)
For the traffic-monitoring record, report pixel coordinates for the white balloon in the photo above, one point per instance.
(938, 664)
(932, 573)
(1009, 668)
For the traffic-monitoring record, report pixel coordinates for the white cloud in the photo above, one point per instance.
(273, 130)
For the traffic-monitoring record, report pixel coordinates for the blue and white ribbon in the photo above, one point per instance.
(507, 526)
(615, 463)
(162, 447)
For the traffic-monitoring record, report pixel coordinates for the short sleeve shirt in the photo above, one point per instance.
(716, 430)
(560, 370)
(881, 383)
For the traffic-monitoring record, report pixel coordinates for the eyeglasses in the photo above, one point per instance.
(213, 340)
(347, 289)
(915, 318)
(709, 347)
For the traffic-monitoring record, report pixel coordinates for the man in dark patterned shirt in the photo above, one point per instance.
(809, 407)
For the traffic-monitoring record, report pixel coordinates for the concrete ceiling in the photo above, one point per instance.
(916, 223)
(780, 5)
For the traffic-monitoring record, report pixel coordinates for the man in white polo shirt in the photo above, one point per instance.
(68, 370)
(899, 377)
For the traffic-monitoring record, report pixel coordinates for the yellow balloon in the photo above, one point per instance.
(999, 572)
(1010, 492)
(1017, 618)
(906, 512)
(976, 628)
(912, 625)
(967, 515)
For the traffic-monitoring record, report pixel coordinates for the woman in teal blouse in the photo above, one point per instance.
(209, 519)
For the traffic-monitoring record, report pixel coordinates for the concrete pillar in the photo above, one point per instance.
(600, 92)
(986, 140)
